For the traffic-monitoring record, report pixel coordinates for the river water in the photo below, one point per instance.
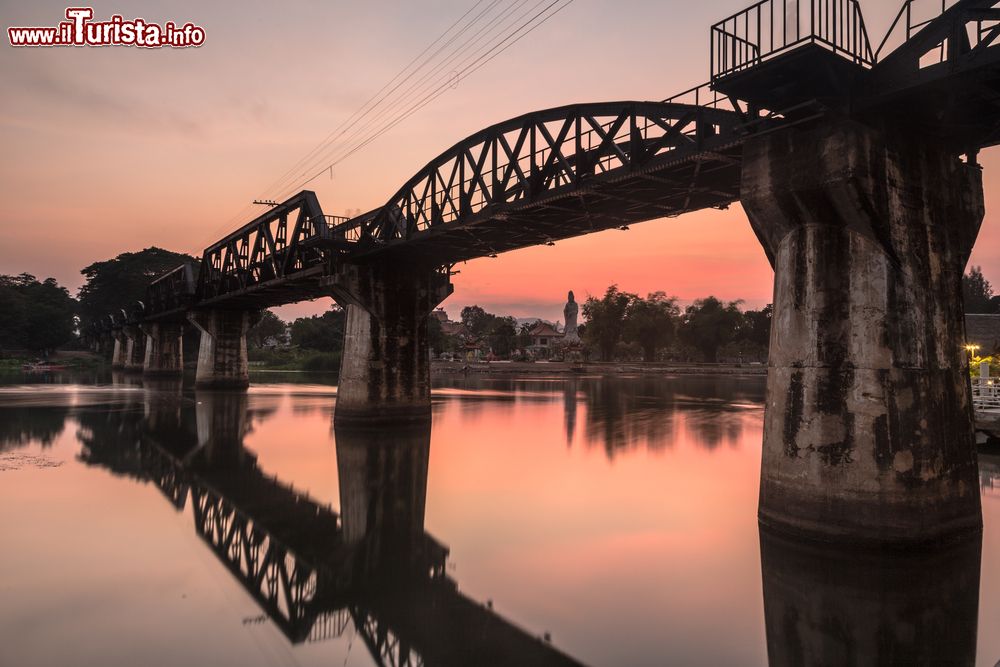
(604, 521)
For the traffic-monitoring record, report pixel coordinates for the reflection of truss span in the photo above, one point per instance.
(559, 173)
(281, 582)
(169, 478)
(329, 625)
(313, 598)
(388, 649)
(289, 552)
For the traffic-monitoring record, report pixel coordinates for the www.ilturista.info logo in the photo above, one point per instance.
(79, 30)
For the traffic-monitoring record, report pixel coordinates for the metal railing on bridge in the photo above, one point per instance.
(986, 393)
(772, 27)
(349, 230)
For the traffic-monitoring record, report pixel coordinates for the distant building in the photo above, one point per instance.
(460, 340)
(984, 331)
(449, 328)
(544, 336)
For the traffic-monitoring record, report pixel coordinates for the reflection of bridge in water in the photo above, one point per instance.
(312, 571)
(316, 574)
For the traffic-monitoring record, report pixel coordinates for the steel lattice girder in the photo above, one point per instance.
(945, 78)
(559, 173)
(266, 252)
(170, 294)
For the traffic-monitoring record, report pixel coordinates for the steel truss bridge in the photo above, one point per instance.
(289, 552)
(581, 168)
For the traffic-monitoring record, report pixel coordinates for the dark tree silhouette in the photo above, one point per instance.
(324, 333)
(978, 293)
(606, 320)
(37, 316)
(498, 332)
(270, 326)
(116, 283)
(650, 323)
(708, 324)
(756, 326)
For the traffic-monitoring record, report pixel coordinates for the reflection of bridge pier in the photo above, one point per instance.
(222, 423)
(825, 606)
(383, 491)
(163, 406)
(404, 605)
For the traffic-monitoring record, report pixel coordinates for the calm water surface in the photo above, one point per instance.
(543, 521)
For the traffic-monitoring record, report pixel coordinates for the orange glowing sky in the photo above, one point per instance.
(116, 149)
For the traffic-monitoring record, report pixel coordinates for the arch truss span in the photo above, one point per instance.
(555, 174)
(274, 259)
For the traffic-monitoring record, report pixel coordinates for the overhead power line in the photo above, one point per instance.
(482, 33)
(441, 72)
(442, 87)
(378, 97)
(360, 112)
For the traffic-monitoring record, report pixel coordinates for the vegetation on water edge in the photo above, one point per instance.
(76, 362)
(40, 317)
(294, 359)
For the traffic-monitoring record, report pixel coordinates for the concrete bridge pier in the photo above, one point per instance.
(164, 349)
(222, 353)
(101, 344)
(118, 348)
(868, 434)
(385, 368)
(135, 348)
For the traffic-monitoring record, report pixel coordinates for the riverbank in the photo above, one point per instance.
(592, 368)
(73, 359)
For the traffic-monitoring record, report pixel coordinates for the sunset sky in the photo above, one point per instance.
(108, 150)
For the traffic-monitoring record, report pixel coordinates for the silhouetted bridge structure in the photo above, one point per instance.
(856, 164)
(314, 572)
